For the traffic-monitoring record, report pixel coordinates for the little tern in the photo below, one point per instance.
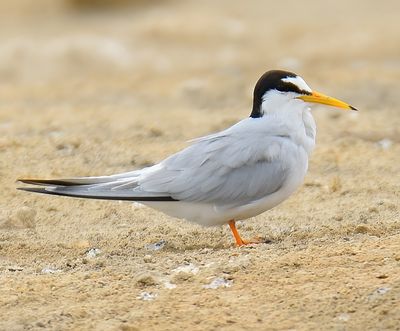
(227, 176)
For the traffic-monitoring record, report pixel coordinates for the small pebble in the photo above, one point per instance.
(378, 293)
(93, 252)
(343, 317)
(218, 282)
(382, 290)
(156, 246)
(169, 285)
(186, 268)
(385, 143)
(146, 296)
(49, 270)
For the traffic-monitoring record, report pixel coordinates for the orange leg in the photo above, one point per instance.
(239, 240)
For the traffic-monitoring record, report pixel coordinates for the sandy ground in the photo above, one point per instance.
(89, 93)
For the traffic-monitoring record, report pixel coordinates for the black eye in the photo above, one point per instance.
(290, 87)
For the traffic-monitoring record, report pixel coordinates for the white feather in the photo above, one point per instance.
(299, 82)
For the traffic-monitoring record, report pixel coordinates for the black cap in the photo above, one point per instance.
(272, 80)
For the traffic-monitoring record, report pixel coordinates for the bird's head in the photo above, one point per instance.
(278, 89)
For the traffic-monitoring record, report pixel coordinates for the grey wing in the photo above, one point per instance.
(222, 169)
(225, 170)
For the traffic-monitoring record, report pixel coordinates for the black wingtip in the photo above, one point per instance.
(43, 190)
(46, 182)
(34, 189)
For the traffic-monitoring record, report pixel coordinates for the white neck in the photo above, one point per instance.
(292, 116)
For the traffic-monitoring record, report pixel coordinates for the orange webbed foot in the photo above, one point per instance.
(239, 241)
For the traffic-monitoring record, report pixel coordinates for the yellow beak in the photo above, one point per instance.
(317, 97)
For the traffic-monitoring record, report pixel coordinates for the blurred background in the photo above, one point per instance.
(107, 64)
(208, 52)
(93, 87)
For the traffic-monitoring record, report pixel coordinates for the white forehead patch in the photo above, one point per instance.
(298, 81)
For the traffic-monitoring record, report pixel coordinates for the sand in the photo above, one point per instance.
(86, 92)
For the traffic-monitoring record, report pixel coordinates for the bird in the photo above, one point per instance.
(227, 176)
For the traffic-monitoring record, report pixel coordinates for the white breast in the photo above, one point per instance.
(298, 132)
(209, 214)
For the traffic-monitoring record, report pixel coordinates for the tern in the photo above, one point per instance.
(227, 176)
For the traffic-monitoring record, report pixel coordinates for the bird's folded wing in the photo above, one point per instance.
(225, 171)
